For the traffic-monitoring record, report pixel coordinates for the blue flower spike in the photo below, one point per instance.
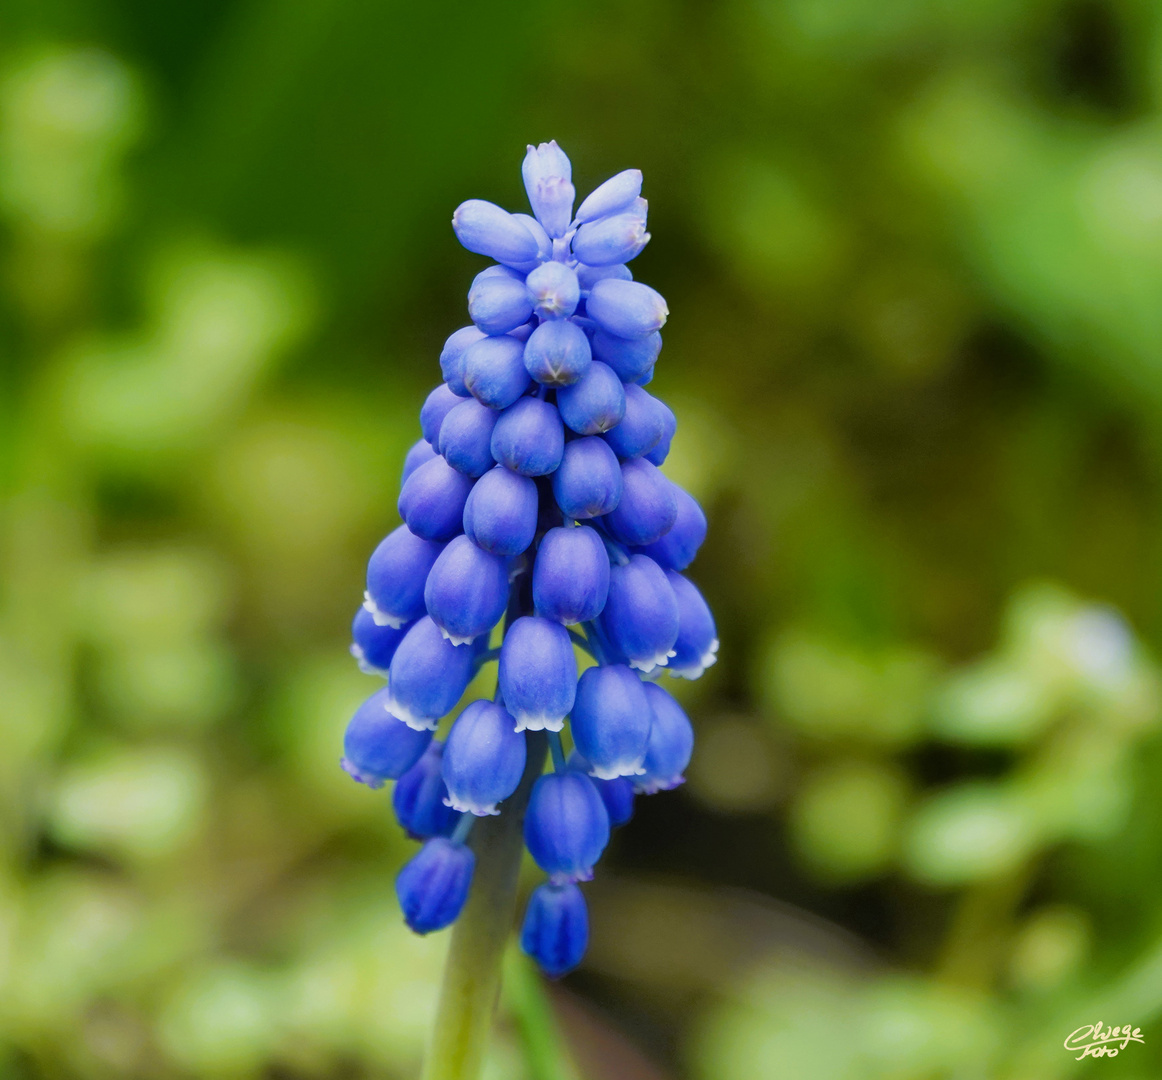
(536, 496)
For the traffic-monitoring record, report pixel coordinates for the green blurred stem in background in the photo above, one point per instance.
(472, 971)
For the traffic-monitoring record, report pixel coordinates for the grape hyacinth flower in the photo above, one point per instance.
(534, 498)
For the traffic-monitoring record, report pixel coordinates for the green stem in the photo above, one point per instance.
(472, 971)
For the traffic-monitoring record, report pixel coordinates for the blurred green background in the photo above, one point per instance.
(913, 252)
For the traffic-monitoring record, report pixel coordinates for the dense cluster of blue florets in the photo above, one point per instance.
(535, 497)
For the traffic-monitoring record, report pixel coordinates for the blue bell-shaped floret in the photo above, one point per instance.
(373, 645)
(537, 673)
(676, 550)
(641, 428)
(670, 745)
(420, 452)
(467, 591)
(617, 193)
(697, 646)
(626, 309)
(595, 403)
(377, 746)
(648, 506)
(433, 887)
(466, 437)
(570, 575)
(554, 291)
(529, 438)
(427, 676)
(396, 574)
(431, 502)
(555, 931)
(558, 353)
(588, 483)
(418, 797)
(484, 758)
(566, 826)
(501, 513)
(611, 721)
(641, 613)
(494, 370)
(486, 229)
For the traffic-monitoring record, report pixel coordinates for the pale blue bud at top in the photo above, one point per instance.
(467, 591)
(542, 161)
(595, 403)
(552, 203)
(697, 646)
(609, 241)
(662, 451)
(498, 303)
(396, 573)
(433, 887)
(379, 747)
(588, 482)
(466, 437)
(641, 613)
(494, 370)
(570, 575)
(501, 512)
(553, 290)
(432, 500)
(529, 437)
(486, 229)
(421, 451)
(557, 353)
(676, 550)
(566, 826)
(439, 403)
(547, 174)
(373, 645)
(670, 744)
(484, 759)
(544, 241)
(537, 673)
(611, 721)
(427, 676)
(418, 798)
(648, 506)
(452, 358)
(587, 275)
(631, 358)
(626, 309)
(641, 428)
(555, 931)
(617, 193)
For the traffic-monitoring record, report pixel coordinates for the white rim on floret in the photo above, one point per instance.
(652, 787)
(365, 665)
(526, 721)
(455, 639)
(622, 768)
(413, 720)
(465, 806)
(378, 615)
(708, 659)
(659, 659)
